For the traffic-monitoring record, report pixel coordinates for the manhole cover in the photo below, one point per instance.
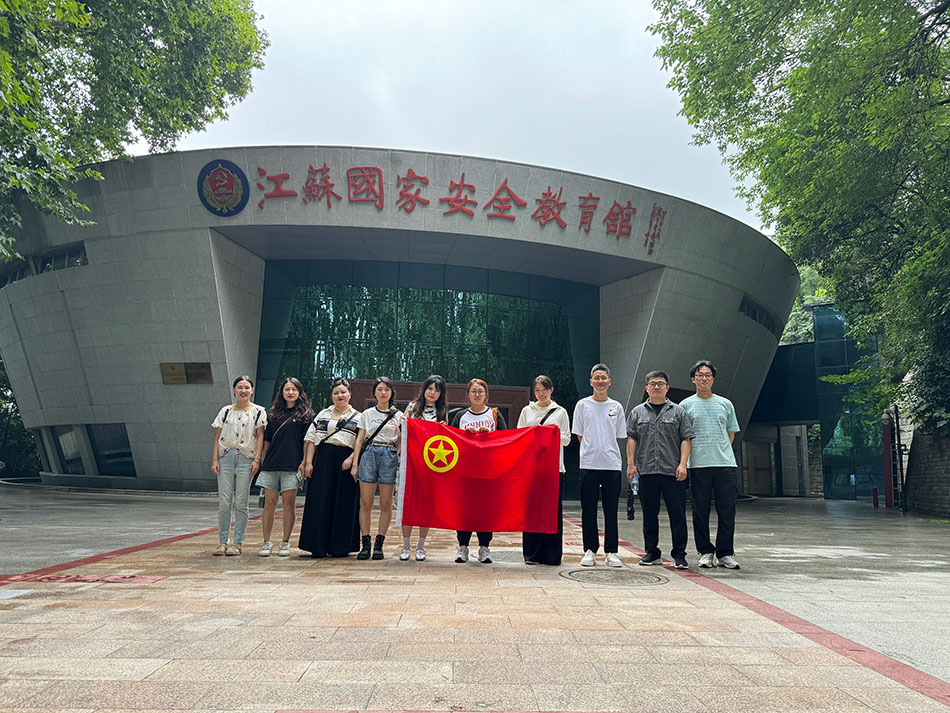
(615, 577)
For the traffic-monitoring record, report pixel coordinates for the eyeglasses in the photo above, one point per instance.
(702, 376)
(656, 384)
(477, 392)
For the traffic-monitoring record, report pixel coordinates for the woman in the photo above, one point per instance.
(283, 464)
(477, 418)
(544, 548)
(236, 458)
(429, 405)
(376, 462)
(330, 527)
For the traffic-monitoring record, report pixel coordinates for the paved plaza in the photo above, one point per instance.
(112, 602)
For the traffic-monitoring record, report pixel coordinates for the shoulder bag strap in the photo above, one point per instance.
(545, 417)
(392, 412)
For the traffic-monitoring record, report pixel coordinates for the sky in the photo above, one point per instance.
(567, 85)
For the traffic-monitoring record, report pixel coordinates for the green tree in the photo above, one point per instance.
(800, 326)
(80, 81)
(835, 116)
(17, 446)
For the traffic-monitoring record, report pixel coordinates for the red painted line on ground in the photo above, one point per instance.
(902, 673)
(53, 569)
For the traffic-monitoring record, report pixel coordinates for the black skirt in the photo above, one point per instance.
(543, 547)
(330, 526)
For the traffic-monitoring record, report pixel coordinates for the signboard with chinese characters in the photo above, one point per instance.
(367, 184)
(196, 372)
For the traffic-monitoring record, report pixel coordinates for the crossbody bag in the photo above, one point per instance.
(368, 441)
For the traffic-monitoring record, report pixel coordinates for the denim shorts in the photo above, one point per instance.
(279, 480)
(378, 464)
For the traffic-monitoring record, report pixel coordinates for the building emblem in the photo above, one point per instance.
(223, 188)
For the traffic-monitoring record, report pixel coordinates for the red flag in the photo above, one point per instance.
(502, 481)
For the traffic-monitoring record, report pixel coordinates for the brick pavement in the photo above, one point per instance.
(263, 635)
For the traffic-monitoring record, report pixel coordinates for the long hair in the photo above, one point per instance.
(417, 406)
(302, 410)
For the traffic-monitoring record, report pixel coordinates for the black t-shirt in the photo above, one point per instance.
(656, 409)
(286, 443)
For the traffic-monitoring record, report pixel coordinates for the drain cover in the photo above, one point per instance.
(615, 577)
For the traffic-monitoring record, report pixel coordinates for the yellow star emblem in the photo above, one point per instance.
(440, 453)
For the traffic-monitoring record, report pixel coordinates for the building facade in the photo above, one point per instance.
(121, 339)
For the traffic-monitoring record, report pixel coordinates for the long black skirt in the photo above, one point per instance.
(330, 526)
(543, 547)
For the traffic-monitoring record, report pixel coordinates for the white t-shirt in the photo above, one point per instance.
(599, 424)
(370, 419)
(238, 428)
(479, 421)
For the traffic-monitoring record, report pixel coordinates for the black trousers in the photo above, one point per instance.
(463, 537)
(652, 486)
(723, 482)
(597, 485)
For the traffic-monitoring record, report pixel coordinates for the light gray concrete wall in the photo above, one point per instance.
(97, 334)
(667, 319)
(626, 313)
(239, 281)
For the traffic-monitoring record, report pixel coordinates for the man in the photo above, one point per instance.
(598, 423)
(712, 467)
(658, 440)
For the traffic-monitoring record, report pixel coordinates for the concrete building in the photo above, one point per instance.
(121, 339)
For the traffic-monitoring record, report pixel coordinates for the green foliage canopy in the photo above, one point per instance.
(836, 116)
(80, 81)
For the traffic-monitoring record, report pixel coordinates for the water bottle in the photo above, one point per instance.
(635, 485)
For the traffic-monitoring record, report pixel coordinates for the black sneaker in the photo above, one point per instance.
(378, 547)
(649, 559)
(680, 563)
(364, 551)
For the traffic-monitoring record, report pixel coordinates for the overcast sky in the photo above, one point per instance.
(568, 85)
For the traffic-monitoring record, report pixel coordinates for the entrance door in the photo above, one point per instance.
(759, 465)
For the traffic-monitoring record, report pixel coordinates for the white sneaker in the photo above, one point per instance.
(284, 549)
(404, 555)
(420, 555)
(613, 560)
(729, 562)
(484, 556)
(588, 559)
(266, 549)
(706, 560)
(462, 555)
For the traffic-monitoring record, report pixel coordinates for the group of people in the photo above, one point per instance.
(348, 457)
(665, 443)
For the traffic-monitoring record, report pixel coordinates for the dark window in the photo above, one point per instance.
(341, 318)
(67, 446)
(110, 445)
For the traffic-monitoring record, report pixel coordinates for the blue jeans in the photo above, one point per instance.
(378, 464)
(234, 484)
